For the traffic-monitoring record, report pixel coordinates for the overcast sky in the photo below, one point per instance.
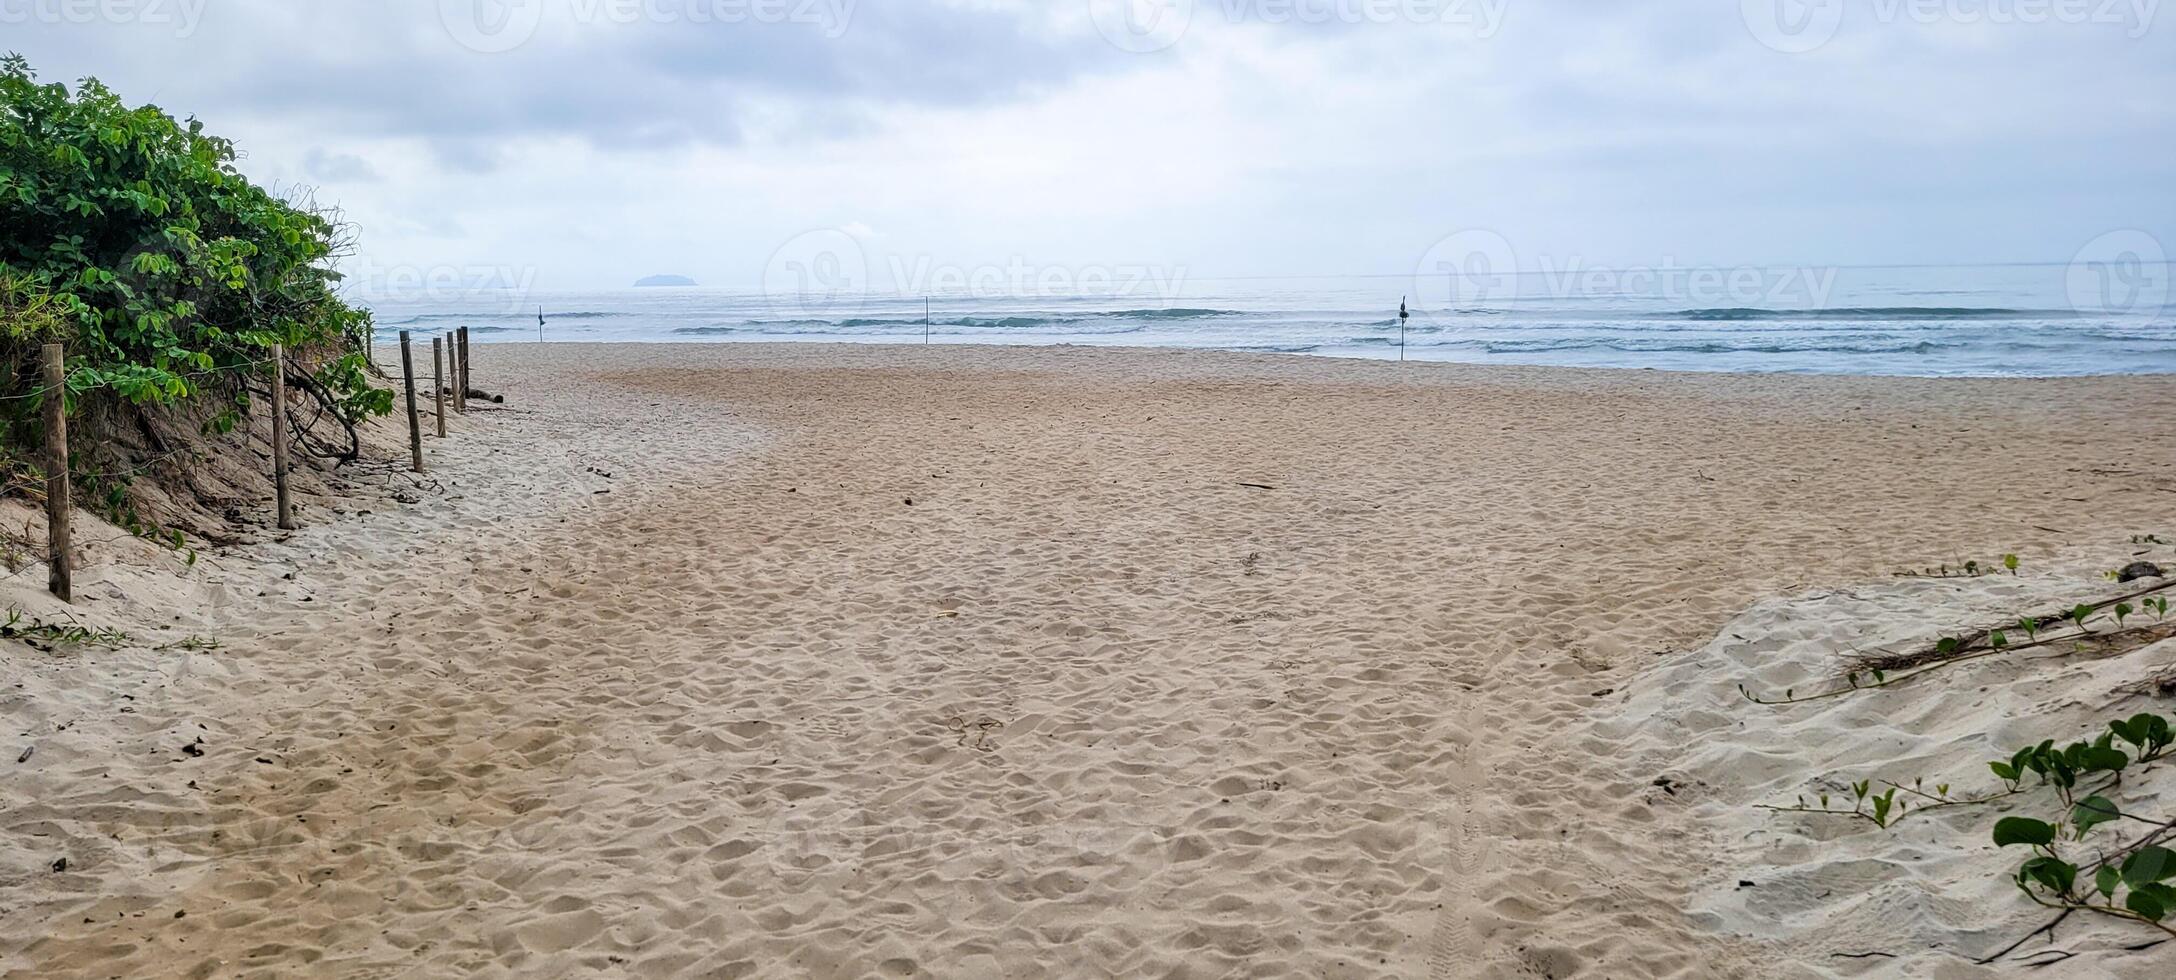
(589, 142)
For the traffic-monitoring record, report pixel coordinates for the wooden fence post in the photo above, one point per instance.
(438, 383)
(281, 505)
(464, 382)
(56, 474)
(415, 424)
(453, 376)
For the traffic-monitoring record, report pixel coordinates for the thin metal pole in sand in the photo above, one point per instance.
(283, 508)
(57, 506)
(1402, 315)
(438, 382)
(415, 424)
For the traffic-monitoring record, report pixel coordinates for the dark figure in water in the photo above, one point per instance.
(1402, 317)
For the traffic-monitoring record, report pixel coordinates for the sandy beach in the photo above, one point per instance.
(845, 661)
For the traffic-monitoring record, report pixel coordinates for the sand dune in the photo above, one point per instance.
(961, 662)
(1928, 893)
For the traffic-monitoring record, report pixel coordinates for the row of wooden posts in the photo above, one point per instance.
(443, 350)
(59, 489)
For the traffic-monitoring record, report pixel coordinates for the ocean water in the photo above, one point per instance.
(2038, 320)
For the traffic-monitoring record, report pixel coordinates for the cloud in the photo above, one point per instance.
(648, 75)
(600, 145)
(338, 167)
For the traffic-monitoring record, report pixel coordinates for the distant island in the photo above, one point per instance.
(650, 281)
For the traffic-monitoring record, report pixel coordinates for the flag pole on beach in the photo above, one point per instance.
(1402, 315)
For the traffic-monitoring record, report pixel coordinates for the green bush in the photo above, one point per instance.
(166, 272)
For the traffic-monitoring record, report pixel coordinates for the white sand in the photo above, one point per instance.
(1086, 706)
(1929, 894)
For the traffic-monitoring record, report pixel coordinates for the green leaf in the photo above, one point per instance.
(2101, 758)
(2155, 902)
(2054, 874)
(2092, 812)
(2107, 880)
(2023, 830)
(2148, 865)
(2153, 905)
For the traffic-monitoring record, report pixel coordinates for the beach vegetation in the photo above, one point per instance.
(1964, 568)
(131, 237)
(2070, 865)
(2078, 858)
(35, 631)
(2131, 879)
(1887, 808)
(1887, 669)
